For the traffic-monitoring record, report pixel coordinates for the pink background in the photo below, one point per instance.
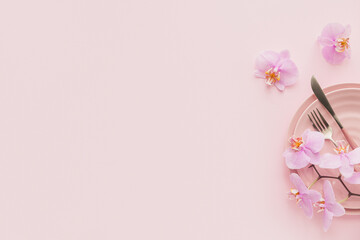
(142, 119)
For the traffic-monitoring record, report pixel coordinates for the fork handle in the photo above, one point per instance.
(350, 140)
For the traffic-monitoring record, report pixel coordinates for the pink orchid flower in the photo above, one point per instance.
(329, 206)
(335, 39)
(305, 198)
(344, 160)
(304, 150)
(276, 68)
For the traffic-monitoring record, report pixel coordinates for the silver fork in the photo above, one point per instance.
(321, 125)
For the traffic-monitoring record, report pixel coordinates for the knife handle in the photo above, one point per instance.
(350, 140)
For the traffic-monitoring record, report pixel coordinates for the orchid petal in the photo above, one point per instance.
(266, 60)
(296, 159)
(354, 179)
(333, 30)
(314, 196)
(330, 161)
(305, 134)
(307, 207)
(327, 219)
(314, 157)
(336, 208)
(346, 169)
(280, 86)
(332, 56)
(289, 72)
(354, 156)
(298, 183)
(328, 192)
(325, 41)
(313, 140)
(288, 79)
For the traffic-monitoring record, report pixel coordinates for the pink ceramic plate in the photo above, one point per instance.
(345, 100)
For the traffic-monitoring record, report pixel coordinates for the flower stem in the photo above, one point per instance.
(312, 184)
(341, 201)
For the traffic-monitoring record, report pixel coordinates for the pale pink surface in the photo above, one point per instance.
(143, 120)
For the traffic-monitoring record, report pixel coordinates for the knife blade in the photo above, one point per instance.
(319, 93)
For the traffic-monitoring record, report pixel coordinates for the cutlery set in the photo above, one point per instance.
(318, 121)
(322, 125)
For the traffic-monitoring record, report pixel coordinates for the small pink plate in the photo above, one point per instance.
(345, 100)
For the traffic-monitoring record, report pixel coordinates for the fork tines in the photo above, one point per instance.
(319, 125)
